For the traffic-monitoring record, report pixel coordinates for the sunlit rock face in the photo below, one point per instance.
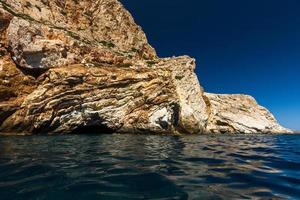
(68, 65)
(121, 99)
(91, 65)
(45, 34)
(239, 114)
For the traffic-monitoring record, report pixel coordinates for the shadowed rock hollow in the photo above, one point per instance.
(69, 65)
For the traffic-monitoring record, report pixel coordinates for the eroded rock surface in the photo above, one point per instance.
(46, 34)
(68, 65)
(136, 99)
(240, 114)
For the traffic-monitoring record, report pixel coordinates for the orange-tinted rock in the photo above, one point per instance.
(66, 65)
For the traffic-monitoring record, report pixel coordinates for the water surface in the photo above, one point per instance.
(150, 167)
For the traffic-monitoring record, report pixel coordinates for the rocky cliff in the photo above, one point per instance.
(69, 65)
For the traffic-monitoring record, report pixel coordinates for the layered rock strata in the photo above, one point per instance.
(69, 65)
(240, 114)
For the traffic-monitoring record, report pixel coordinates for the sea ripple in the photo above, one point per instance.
(126, 166)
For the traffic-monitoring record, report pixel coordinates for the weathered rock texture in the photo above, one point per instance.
(240, 114)
(67, 65)
(52, 33)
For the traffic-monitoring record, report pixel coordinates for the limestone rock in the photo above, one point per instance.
(68, 65)
(135, 99)
(45, 34)
(240, 114)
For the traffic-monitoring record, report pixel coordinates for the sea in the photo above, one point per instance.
(161, 167)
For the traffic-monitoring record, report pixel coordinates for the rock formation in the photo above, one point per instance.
(68, 65)
(240, 114)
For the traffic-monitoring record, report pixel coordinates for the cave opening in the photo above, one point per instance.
(93, 130)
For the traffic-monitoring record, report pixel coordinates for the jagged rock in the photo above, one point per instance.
(66, 65)
(240, 114)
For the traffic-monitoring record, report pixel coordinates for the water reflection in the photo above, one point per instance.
(149, 166)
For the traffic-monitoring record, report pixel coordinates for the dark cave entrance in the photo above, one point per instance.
(93, 130)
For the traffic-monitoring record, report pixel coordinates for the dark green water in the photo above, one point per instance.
(149, 167)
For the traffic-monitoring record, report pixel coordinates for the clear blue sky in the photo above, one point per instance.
(241, 46)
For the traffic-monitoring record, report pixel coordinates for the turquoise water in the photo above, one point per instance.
(149, 167)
